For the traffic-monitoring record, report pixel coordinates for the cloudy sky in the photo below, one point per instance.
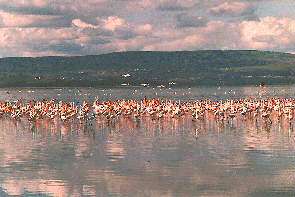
(79, 27)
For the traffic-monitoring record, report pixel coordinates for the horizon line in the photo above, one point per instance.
(162, 51)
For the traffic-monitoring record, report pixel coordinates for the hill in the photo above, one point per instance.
(181, 68)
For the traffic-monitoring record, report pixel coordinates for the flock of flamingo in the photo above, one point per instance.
(270, 109)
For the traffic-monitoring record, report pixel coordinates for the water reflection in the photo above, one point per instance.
(147, 157)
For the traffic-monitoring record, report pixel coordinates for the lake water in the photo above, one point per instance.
(150, 158)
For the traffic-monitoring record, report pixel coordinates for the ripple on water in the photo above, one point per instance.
(146, 159)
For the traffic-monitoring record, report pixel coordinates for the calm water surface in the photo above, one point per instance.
(150, 158)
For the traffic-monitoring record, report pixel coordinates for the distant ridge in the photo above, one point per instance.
(134, 68)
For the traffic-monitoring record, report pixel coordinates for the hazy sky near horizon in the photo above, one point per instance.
(80, 27)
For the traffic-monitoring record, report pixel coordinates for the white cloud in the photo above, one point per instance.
(268, 33)
(144, 29)
(40, 27)
(114, 22)
(231, 8)
(26, 20)
(25, 3)
(23, 41)
(81, 24)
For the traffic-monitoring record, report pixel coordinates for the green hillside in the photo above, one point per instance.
(185, 68)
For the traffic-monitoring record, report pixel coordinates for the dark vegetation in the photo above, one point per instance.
(185, 68)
